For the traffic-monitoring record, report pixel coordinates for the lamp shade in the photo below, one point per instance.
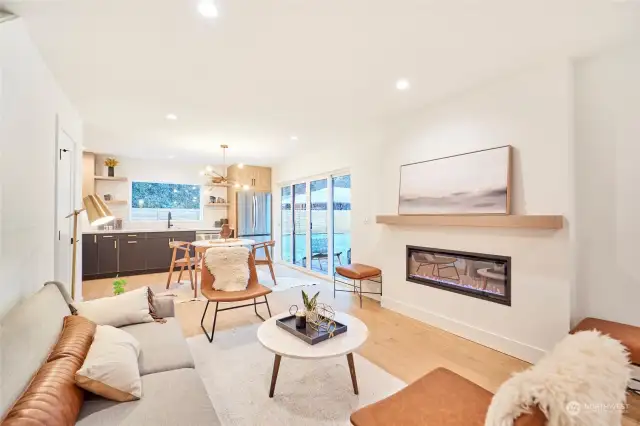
(97, 211)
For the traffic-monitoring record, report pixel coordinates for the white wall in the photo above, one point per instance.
(169, 171)
(607, 184)
(531, 111)
(30, 99)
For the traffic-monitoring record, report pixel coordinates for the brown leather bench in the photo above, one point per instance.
(628, 335)
(357, 272)
(441, 398)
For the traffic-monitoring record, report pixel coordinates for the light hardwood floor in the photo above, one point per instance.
(404, 347)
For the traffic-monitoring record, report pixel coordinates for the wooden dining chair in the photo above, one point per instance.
(200, 252)
(184, 261)
(253, 291)
(268, 261)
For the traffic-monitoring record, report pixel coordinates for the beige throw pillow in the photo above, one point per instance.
(111, 366)
(128, 308)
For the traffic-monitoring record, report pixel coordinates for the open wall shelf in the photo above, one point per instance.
(112, 178)
(217, 205)
(483, 221)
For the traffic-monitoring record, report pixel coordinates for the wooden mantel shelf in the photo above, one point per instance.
(485, 221)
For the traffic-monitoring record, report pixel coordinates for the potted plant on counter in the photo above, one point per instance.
(111, 163)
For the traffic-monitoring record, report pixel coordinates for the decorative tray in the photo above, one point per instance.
(309, 334)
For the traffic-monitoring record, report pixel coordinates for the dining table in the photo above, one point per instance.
(224, 242)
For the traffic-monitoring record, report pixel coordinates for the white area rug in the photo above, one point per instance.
(287, 278)
(236, 371)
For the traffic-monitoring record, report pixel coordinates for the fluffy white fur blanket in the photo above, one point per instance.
(582, 382)
(229, 266)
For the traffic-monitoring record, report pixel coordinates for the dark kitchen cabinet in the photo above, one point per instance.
(89, 254)
(158, 252)
(131, 254)
(107, 254)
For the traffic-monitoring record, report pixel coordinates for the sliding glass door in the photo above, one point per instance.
(300, 224)
(342, 220)
(316, 223)
(319, 235)
(286, 227)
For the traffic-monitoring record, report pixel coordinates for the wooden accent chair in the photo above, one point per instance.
(268, 261)
(253, 291)
(185, 262)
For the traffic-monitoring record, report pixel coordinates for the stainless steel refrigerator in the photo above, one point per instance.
(254, 216)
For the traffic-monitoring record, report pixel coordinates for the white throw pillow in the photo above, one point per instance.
(111, 366)
(229, 266)
(128, 308)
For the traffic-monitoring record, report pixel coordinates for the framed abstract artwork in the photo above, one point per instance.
(477, 182)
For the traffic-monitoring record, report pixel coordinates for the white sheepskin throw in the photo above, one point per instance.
(582, 382)
(229, 266)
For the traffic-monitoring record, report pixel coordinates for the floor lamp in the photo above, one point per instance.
(98, 214)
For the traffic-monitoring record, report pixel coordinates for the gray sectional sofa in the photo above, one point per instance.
(172, 391)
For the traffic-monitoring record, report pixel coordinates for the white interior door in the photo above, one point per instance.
(65, 202)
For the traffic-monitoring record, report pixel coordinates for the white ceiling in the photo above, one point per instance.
(267, 69)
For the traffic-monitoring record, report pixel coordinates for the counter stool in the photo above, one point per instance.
(357, 272)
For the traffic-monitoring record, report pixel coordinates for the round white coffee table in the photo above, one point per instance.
(284, 344)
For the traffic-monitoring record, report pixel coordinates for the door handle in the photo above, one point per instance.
(115, 244)
(132, 235)
(107, 236)
(132, 242)
(95, 239)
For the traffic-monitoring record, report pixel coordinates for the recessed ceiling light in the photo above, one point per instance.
(208, 9)
(171, 157)
(172, 117)
(403, 84)
(294, 138)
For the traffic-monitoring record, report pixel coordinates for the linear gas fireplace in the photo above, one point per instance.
(485, 276)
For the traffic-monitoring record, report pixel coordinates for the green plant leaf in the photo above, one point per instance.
(314, 300)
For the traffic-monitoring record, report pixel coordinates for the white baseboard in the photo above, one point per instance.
(511, 347)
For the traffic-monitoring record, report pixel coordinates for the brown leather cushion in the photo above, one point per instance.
(75, 339)
(52, 398)
(628, 335)
(441, 398)
(358, 271)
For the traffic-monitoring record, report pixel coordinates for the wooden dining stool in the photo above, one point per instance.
(267, 245)
(186, 261)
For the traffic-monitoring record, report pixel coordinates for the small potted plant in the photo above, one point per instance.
(118, 286)
(111, 163)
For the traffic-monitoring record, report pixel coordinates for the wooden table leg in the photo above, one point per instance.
(352, 370)
(274, 375)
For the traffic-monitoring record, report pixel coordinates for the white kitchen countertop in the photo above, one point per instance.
(140, 230)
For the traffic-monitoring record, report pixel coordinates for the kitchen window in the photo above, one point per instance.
(153, 201)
